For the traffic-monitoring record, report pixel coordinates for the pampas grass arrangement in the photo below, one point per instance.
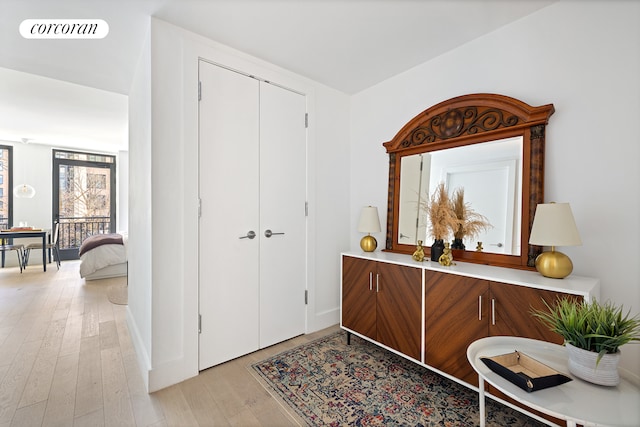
(441, 214)
(470, 223)
(452, 215)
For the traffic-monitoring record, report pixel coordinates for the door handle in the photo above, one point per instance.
(250, 235)
(493, 311)
(269, 233)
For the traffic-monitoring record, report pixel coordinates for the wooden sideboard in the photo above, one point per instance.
(383, 302)
(430, 313)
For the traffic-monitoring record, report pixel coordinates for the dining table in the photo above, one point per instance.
(23, 233)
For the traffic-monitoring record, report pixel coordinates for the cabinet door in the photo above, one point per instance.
(511, 312)
(512, 305)
(456, 315)
(399, 308)
(359, 296)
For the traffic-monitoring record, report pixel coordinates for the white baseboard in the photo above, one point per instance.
(170, 373)
(144, 361)
(322, 320)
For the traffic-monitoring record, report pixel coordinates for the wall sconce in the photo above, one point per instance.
(554, 225)
(369, 223)
(24, 191)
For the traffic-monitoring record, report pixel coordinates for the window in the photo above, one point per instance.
(84, 197)
(6, 195)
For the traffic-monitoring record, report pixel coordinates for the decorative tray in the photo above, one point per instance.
(524, 371)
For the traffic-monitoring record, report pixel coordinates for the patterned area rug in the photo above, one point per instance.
(326, 382)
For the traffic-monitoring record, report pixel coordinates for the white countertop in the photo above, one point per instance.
(587, 287)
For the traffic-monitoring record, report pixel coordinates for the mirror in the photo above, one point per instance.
(490, 145)
(491, 176)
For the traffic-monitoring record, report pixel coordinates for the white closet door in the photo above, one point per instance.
(282, 210)
(229, 172)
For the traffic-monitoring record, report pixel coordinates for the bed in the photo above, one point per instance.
(103, 256)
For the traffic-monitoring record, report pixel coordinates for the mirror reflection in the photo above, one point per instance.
(490, 174)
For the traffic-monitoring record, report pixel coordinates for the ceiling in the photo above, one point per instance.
(73, 92)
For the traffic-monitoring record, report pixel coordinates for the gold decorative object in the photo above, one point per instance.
(554, 264)
(368, 243)
(446, 258)
(418, 255)
(479, 247)
(553, 225)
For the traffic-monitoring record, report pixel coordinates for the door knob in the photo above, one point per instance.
(250, 235)
(269, 233)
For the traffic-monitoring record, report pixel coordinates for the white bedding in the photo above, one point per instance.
(103, 256)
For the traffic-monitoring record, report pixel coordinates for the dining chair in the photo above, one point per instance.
(19, 250)
(53, 245)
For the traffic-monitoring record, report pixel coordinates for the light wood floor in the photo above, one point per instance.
(66, 359)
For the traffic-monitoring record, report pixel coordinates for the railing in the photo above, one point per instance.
(74, 230)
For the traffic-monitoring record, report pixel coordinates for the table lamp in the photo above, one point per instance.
(553, 225)
(369, 223)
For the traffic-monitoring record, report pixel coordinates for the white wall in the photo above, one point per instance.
(32, 164)
(584, 57)
(140, 239)
(168, 339)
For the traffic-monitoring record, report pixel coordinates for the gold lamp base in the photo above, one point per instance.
(554, 264)
(368, 243)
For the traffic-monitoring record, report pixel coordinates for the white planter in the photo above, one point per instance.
(582, 364)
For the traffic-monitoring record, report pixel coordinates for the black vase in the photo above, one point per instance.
(437, 249)
(457, 244)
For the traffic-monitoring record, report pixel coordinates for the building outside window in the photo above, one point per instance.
(6, 195)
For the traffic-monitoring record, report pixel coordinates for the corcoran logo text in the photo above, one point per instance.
(64, 29)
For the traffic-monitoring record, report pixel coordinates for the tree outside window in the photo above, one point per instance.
(85, 192)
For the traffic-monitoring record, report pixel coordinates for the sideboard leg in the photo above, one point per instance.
(348, 338)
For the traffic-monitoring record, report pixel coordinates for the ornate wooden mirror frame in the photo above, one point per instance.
(466, 120)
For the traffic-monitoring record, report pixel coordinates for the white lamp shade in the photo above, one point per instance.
(24, 191)
(369, 220)
(554, 225)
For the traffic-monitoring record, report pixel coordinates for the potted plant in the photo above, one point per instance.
(442, 218)
(470, 222)
(593, 334)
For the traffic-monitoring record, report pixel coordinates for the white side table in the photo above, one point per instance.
(577, 402)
